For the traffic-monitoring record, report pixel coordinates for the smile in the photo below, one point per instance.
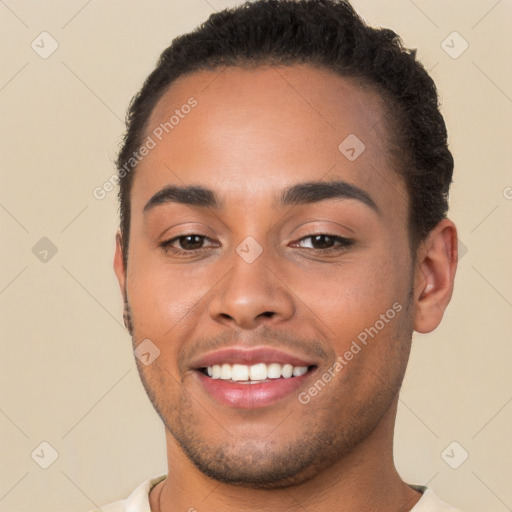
(250, 378)
(254, 373)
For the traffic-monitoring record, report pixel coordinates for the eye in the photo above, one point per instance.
(326, 243)
(189, 244)
(186, 243)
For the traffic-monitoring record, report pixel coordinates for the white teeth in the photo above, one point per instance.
(225, 371)
(274, 371)
(255, 372)
(258, 371)
(287, 371)
(215, 371)
(299, 370)
(239, 372)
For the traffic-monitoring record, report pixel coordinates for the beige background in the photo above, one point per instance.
(67, 373)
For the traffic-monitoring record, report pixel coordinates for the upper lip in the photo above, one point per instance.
(249, 356)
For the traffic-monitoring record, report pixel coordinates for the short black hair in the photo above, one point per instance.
(331, 35)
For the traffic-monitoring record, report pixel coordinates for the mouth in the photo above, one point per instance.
(251, 379)
(256, 373)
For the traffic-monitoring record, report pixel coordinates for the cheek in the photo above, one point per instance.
(364, 307)
(164, 296)
(354, 295)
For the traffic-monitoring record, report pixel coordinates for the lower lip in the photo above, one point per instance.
(252, 396)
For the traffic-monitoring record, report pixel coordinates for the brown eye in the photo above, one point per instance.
(325, 242)
(191, 242)
(322, 241)
(185, 244)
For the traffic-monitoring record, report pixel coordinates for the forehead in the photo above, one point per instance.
(252, 132)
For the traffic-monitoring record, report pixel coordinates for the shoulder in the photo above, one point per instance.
(138, 501)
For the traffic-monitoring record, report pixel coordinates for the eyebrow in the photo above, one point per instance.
(191, 195)
(315, 191)
(302, 193)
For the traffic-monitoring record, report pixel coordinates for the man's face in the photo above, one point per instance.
(305, 283)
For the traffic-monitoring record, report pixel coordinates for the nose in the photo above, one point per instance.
(251, 294)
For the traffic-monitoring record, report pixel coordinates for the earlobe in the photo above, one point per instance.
(434, 276)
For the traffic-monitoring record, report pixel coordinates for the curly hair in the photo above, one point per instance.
(331, 35)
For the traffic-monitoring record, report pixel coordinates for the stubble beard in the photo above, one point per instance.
(268, 464)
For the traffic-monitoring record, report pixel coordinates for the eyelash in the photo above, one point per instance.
(344, 244)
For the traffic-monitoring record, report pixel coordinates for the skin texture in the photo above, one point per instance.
(253, 133)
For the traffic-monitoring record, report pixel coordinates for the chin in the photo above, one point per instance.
(271, 472)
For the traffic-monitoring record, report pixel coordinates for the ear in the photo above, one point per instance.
(434, 275)
(120, 271)
(119, 263)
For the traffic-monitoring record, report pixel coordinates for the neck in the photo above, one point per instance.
(363, 480)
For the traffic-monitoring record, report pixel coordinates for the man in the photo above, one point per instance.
(283, 188)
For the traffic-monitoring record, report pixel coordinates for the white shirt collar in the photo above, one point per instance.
(138, 501)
